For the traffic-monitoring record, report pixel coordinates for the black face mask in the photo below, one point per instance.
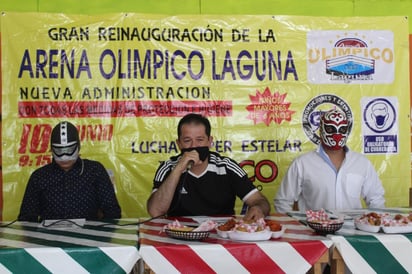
(203, 152)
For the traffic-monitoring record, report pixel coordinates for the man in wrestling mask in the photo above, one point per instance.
(332, 176)
(69, 187)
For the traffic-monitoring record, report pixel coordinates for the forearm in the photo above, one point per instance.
(160, 200)
(109, 205)
(30, 206)
(112, 210)
(288, 191)
(283, 206)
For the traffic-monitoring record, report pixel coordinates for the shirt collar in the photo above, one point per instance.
(326, 158)
(76, 165)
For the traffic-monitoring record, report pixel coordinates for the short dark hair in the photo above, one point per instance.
(193, 118)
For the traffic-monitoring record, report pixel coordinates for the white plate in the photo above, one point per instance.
(406, 228)
(250, 236)
(278, 234)
(366, 227)
(222, 233)
(397, 229)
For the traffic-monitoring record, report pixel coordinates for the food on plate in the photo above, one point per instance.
(397, 220)
(321, 217)
(249, 226)
(230, 224)
(177, 226)
(389, 223)
(273, 225)
(365, 226)
(322, 223)
(398, 217)
(370, 222)
(184, 228)
(372, 218)
(260, 230)
(206, 226)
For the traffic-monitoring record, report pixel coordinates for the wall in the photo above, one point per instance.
(278, 7)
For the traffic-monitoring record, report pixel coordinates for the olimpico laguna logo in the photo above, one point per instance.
(316, 107)
(350, 57)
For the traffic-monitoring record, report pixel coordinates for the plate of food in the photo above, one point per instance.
(239, 235)
(276, 228)
(369, 222)
(322, 222)
(325, 227)
(224, 228)
(367, 227)
(385, 222)
(397, 223)
(190, 233)
(240, 230)
(397, 229)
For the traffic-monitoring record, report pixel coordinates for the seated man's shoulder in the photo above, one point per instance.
(46, 168)
(218, 162)
(92, 163)
(357, 156)
(221, 159)
(306, 156)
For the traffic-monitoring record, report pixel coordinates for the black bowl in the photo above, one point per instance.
(325, 228)
(187, 235)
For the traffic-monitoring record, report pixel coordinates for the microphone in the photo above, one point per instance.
(190, 164)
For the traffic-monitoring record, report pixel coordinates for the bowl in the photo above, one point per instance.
(250, 236)
(223, 233)
(187, 235)
(278, 234)
(359, 224)
(325, 228)
(397, 229)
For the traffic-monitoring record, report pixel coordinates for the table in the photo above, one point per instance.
(299, 250)
(373, 253)
(365, 252)
(96, 247)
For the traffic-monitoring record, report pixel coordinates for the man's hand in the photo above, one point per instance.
(254, 213)
(258, 207)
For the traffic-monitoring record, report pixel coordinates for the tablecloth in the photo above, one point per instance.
(94, 248)
(295, 252)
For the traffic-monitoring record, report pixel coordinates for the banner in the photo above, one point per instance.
(126, 79)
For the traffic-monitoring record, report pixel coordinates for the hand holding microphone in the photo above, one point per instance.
(190, 164)
(193, 156)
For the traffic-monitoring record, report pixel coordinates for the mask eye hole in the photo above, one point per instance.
(343, 130)
(60, 151)
(330, 129)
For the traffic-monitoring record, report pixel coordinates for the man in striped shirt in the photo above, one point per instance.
(201, 182)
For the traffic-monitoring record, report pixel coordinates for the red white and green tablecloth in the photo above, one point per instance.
(94, 248)
(296, 252)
